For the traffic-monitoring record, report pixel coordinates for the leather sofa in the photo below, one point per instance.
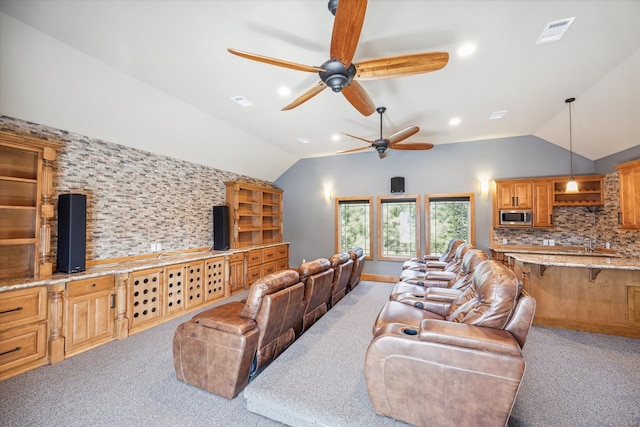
(447, 256)
(358, 257)
(342, 265)
(317, 276)
(456, 363)
(440, 271)
(220, 348)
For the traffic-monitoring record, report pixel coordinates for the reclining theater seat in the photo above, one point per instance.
(447, 274)
(461, 368)
(342, 265)
(358, 256)
(447, 256)
(419, 289)
(317, 277)
(218, 349)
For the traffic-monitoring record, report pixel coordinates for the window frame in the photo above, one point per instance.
(384, 199)
(368, 199)
(427, 215)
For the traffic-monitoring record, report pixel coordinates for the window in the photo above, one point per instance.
(353, 224)
(398, 227)
(449, 216)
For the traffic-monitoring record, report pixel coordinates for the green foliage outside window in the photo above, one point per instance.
(399, 228)
(354, 226)
(449, 220)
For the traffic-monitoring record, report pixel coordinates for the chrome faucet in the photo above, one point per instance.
(590, 244)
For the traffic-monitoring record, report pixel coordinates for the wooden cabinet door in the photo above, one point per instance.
(543, 204)
(514, 195)
(504, 195)
(523, 195)
(90, 308)
(236, 273)
(630, 197)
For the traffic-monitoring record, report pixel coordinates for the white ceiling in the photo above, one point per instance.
(180, 49)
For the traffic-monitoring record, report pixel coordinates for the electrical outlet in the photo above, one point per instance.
(552, 242)
(504, 241)
(156, 247)
(545, 242)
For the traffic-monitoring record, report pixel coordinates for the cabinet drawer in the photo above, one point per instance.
(268, 268)
(253, 274)
(22, 306)
(254, 257)
(268, 254)
(282, 252)
(87, 286)
(22, 345)
(282, 264)
(236, 257)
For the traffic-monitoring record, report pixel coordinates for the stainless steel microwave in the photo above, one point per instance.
(516, 217)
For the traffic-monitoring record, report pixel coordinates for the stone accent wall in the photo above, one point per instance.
(134, 198)
(571, 224)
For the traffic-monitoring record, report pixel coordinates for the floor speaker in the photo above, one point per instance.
(397, 184)
(220, 228)
(72, 232)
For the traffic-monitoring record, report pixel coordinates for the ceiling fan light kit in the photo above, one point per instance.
(340, 74)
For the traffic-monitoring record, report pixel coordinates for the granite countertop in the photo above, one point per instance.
(554, 250)
(161, 260)
(600, 262)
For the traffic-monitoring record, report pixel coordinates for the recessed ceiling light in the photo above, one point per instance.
(284, 91)
(455, 121)
(497, 114)
(304, 140)
(554, 30)
(467, 49)
(335, 137)
(241, 100)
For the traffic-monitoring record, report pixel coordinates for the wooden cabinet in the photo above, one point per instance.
(543, 204)
(173, 289)
(236, 273)
(26, 207)
(590, 191)
(629, 175)
(255, 214)
(214, 279)
(514, 194)
(89, 313)
(23, 330)
(144, 297)
(195, 284)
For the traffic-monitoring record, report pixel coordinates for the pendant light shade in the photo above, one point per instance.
(572, 185)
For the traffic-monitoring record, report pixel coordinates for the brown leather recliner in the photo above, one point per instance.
(446, 274)
(447, 256)
(417, 290)
(342, 265)
(358, 257)
(461, 364)
(317, 276)
(218, 349)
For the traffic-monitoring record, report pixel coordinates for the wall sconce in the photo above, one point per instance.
(327, 194)
(484, 187)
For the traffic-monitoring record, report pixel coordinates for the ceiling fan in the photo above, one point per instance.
(340, 73)
(393, 141)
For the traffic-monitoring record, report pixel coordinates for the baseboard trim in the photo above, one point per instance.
(379, 278)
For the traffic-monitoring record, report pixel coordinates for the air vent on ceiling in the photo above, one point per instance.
(497, 114)
(555, 30)
(241, 100)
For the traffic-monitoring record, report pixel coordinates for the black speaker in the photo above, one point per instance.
(72, 232)
(397, 184)
(220, 228)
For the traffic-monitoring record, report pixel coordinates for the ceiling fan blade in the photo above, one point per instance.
(278, 62)
(359, 98)
(402, 65)
(412, 146)
(402, 134)
(357, 137)
(351, 150)
(316, 89)
(347, 26)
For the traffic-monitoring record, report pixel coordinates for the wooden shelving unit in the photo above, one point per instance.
(25, 206)
(255, 214)
(590, 191)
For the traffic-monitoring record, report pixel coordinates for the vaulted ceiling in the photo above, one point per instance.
(179, 49)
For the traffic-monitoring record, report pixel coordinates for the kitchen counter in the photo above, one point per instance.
(564, 260)
(552, 250)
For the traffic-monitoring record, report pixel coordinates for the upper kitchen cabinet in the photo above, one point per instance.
(590, 191)
(514, 194)
(26, 207)
(629, 174)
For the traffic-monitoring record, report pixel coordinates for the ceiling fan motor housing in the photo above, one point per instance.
(336, 75)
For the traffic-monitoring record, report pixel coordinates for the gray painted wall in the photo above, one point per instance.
(606, 164)
(450, 168)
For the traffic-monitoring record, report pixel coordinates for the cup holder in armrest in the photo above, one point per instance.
(418, 296)
(419, 305)
(409, 331)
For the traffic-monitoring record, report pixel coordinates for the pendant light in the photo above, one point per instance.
(572, 185)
